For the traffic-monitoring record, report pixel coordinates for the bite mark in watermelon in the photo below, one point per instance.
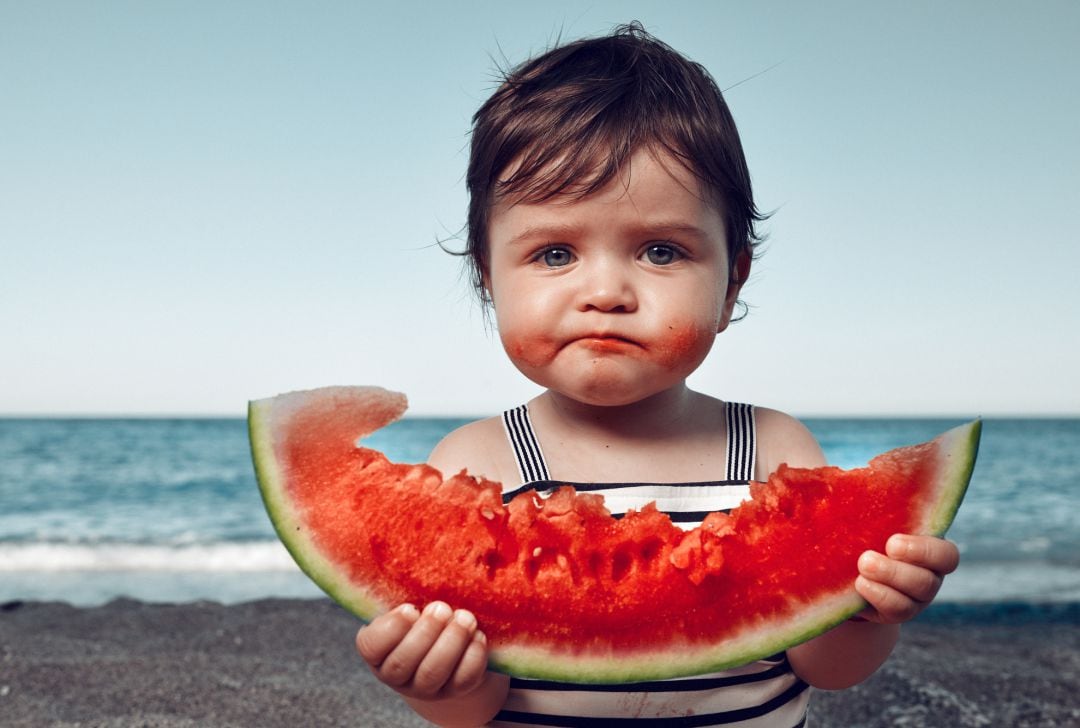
(563, 590)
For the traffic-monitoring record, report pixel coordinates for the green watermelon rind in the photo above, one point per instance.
(956, 448)
(680, 659)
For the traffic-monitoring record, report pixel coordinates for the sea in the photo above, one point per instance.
(167, 510)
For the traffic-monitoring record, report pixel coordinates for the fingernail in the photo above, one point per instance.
(408, 610)
(869, 562)
(898, 546)
(438, 610)
(480, 637)
(465, 618)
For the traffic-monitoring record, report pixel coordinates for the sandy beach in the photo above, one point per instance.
(291, 663)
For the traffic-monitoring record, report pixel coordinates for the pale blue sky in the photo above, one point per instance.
(203, 203)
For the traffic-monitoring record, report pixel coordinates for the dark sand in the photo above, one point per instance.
(291, 663)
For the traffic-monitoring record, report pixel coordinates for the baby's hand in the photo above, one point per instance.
(903, 582)
(430, 656)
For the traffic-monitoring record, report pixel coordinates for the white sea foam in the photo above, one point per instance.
(1032, 581)
(256, 556)
(265, 568)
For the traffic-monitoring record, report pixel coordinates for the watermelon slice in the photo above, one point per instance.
(563, 590)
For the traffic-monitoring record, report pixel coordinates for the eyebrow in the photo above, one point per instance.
(554, 231)
(558, 231)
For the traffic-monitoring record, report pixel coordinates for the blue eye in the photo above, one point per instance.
(662, 254)
(556, 257)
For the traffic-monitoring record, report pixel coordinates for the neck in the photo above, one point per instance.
(651, 418)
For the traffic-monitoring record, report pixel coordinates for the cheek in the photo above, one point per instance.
(684, 344)
(525, 329)
(532, 351)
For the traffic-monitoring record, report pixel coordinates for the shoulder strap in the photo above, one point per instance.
(741, 445)
(526, 447)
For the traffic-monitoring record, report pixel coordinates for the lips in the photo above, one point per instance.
(538, 352)
(604, 342)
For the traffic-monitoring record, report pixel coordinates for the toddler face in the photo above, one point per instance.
(617, 296)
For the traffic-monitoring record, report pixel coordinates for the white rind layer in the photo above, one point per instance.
(681, 658)
(265, 418)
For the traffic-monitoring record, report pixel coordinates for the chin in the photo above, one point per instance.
(609, 394)
(604, 383)
(607, 400)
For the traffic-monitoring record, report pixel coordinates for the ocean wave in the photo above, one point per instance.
(254, 556)
(1031, 581)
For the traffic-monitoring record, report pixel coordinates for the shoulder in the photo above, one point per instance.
(783, 439)
(480, 448)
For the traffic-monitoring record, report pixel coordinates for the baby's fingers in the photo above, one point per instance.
(915, 582)
(936, 554)
(888, 605)
(399, 667)
(471, 670)
(435, 673)
(378, 639)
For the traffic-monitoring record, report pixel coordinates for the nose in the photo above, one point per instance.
(607, 286)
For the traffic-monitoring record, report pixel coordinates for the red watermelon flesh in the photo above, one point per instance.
(561, 588)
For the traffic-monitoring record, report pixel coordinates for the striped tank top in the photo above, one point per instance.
(761, 694)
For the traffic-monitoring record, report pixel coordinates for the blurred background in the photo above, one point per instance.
(206, 203)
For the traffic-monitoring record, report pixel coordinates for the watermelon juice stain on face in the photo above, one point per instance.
(671, 348)
(531, 352)
(684, 342)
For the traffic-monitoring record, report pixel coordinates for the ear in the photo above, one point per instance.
(739, 273)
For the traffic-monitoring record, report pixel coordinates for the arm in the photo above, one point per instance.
(897, 585)
(845, 655)
(437, 661)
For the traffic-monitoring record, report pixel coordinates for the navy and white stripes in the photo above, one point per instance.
(765, 694)
(686, 503)
(741, 445)
(527, 451)
(762, 694)
(782, 703)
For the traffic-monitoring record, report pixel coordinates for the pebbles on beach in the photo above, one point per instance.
(291, 662)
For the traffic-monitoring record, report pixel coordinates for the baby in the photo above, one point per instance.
(611, 226)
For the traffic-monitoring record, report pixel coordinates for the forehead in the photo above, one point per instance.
(651, 190)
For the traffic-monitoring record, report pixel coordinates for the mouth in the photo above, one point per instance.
(608, 343)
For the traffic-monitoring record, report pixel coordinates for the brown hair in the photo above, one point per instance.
(572, 117)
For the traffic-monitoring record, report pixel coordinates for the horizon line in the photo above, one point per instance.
(1017, 415)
